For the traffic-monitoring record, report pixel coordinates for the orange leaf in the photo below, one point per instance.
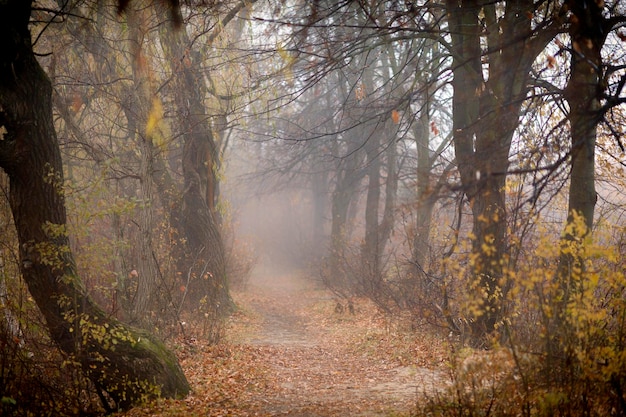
(395, 116)
(77, 102)
(359, 92)
(433, 128)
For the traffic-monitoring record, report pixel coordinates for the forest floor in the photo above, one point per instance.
(288, 352)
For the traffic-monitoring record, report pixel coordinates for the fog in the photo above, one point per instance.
(275, 217)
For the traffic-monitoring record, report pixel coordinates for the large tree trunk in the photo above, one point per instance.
(143, 99)
(486, 113)
(583, 93)
(122, 362)
(468, 84)
(201, 163)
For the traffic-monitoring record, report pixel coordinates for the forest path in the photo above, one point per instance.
(287, 352)
(324, 362)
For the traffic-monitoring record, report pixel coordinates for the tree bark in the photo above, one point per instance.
(371, 250)
(143, 97)
(200, 164)
(391, 187)
(341, 198)
(425, 195)
(486, 113)
(124, 364)
(583, 93)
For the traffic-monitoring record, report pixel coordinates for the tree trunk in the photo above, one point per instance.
(143, 98)
(370, 252)
(201, 163)
(485, 116)
(340, 203)
(122, 362)
(319, 195)
(583, 93)
(378, 227)
(391, 188)
(147, 268)
(468, 84)
(425, 197)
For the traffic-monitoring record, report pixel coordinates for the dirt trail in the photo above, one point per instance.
(288, 353)
(280, 302)
(318, 371)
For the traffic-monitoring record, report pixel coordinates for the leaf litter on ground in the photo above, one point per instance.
(287, 352)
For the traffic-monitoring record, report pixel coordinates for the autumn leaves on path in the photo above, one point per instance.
(287, 352)
(324, 363)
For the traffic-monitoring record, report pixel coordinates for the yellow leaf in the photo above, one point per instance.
(282, 52)
(289, 62)
(154, 120)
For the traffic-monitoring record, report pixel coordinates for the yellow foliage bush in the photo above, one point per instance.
(561, 341)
